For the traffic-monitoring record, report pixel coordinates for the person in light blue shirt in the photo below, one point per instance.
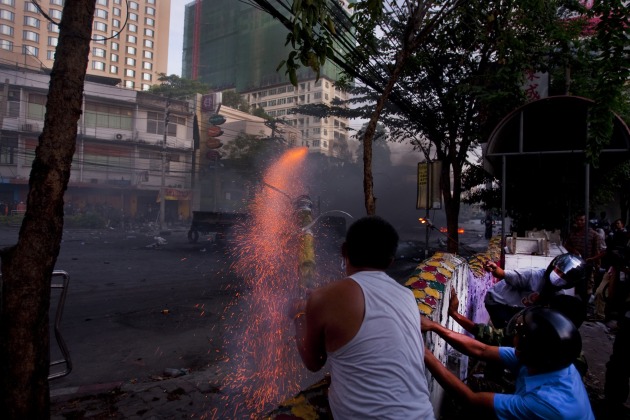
(547, 384)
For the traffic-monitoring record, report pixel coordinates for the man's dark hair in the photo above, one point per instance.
(371, 242)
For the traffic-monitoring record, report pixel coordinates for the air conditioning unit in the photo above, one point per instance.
(27, 127)
(118, 136)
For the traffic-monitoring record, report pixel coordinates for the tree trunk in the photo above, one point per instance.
(27, 266)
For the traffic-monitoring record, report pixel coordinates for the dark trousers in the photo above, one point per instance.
(617, 384)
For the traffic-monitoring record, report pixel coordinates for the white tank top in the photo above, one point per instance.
(380, 372)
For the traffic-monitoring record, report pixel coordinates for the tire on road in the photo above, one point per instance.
(193, 236)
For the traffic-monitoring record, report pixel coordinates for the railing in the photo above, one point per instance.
(65, 360)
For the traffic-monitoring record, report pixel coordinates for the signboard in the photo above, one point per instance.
(174, 194)
(429, 194)
(211, 102)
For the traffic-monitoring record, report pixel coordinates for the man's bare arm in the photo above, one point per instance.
(453, 385)
(461, 342)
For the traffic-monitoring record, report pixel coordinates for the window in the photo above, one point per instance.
(53, 27)
(30, 7)
(130, 73)
(148, 32)
(149, 22)
(114, 58)
(115, 23)
(155, 124)
(150, 11)
(272, 91)
(132, 28)
(114, 46)
(100, 115)
(13, 108)
(57, 2)
(146, 76)
(8, 15)
(6, 45)
(101, 2)
(30, 36)
(318, 83)
(148, 43)
(131, 39)
(130, 61)
(115, 34)
(8, 2)
(150, 1)
(133, 5)
(317, 95)
(31, 21)
(30, 50)
(98, 52)
(131, 50)
(117, 1)
(36, 107)
(148, 54)
(100, 26)
(98, 65)
(146, 86)
(8, 149)
(55, 14)
(113, 69)
(53, 41)
(100, 13)
(6, 30)
(133, 17)
(99, 40)
(147, 65)
(116, 11)
(50, 54)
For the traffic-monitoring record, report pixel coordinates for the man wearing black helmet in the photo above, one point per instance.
(547, 384)
(526, 287)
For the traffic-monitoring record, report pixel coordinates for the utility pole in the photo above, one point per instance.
(163, 185)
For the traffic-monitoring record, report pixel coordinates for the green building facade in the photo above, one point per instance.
(240, 47)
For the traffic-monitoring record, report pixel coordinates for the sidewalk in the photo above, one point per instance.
(198, 394)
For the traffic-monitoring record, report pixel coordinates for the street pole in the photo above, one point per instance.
(163, 183)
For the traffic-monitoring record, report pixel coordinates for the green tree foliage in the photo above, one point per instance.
(232, 99)
(250, 154)
(610, 47)
(178, 87)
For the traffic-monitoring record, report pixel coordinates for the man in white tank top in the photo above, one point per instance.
(366, 327)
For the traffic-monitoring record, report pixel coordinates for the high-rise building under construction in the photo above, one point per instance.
(234, 45)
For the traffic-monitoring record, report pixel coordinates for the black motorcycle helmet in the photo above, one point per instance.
(566, 271)
(546, 339)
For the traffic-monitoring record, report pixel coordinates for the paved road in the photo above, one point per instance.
(133, 310)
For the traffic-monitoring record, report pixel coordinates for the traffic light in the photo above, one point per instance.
(209, 152)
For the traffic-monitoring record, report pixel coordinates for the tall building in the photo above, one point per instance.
(129, 38)
(234, 45)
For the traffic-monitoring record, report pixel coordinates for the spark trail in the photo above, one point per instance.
(265, 367)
